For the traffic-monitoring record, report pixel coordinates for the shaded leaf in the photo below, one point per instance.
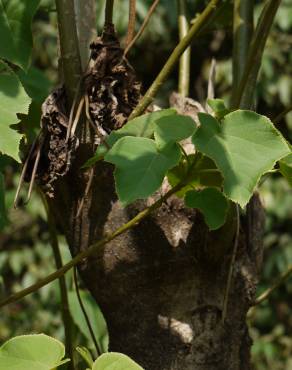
(95, 316)
(85, 354)
(13, 100)
(212, 203)
(15, 30)
(172, 129)
(244, 147)
(204, 173)
(35, 83)
(31, 352)
(115, 361)
(140, 166)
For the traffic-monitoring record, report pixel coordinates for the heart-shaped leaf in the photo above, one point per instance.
(244, 146)
(212, 203)
(140, 166)
(32, 352)
(115, 361)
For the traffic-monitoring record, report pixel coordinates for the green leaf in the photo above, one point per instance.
(13, 100)
(15, 30)
(3, 214)
(115, 361)
(140, 166)
(204, 173)
(212, 203)
(286, 168)
(142, 126)
(173, 129)
(218, 107)
(244, 147)
(31, 352)
(95, 317)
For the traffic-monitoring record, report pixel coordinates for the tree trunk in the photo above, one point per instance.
(161, 285)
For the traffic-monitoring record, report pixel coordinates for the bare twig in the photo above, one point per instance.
(77, 117)
(132, 21)
(144, 25)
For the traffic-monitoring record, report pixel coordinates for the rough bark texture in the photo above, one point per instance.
(161, 285)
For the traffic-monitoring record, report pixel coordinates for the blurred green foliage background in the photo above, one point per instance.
(25, 252)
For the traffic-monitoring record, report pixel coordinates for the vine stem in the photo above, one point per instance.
(265, 295)
(184, 63)
(194, 31)
(88, 323)
(66, 316)
(231, 267)
(142, 28)
(109, 7)
(281, 115)
(93, 249)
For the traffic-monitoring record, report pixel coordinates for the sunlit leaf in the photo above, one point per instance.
(32, 352)
(115, 361)
(244, 147)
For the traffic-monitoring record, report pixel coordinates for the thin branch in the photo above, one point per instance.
(108, 15)
(245, 92)
(84, 312)
(67, 321)
(281, 115)
(132, 21)
(93, 249)
(184, 63)
(194, 31)
(144, 25)
(70, 57)
(266, 295)
(231, 267)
